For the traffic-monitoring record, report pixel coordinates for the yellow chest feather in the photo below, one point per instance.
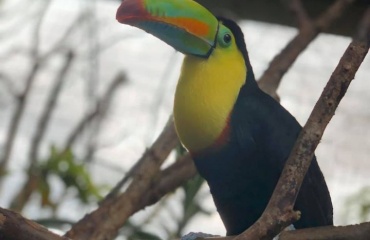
(205, 95)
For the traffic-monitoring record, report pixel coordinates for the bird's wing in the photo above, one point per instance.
(314, 200)
(273, 131)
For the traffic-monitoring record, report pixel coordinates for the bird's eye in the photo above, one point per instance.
(227, 38)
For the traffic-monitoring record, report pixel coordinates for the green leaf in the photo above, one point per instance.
(72, 172)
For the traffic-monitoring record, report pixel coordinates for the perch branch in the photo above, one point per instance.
(350, 232)
(14, 227)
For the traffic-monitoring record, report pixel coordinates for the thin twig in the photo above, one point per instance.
(93, 80)
(23, 97)
(44, 120)
(102, 107)
(271, 78)
(16, 118)
(40, 130)
(298, 10)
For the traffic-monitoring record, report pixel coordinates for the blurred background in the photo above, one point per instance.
(82, 97)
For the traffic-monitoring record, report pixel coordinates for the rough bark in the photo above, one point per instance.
(104, 222)
(350, 232)
(14, 227)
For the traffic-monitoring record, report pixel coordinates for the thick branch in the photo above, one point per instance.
(113, 212)
(168, 180)
(350, 232)
(14, 227)
(279, 212)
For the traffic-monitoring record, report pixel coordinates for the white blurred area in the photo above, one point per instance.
(141, 107)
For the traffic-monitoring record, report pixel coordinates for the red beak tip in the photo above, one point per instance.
(130, 9)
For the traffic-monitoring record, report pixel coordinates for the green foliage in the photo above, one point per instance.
(359, 204)
(72, 174)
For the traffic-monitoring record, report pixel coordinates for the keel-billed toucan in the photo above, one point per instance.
(238, 136)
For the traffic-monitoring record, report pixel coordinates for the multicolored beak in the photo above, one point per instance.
(184, 24)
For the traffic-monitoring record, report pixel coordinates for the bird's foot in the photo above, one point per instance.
(197, 235)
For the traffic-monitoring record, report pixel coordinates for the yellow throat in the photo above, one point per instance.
(205, 96)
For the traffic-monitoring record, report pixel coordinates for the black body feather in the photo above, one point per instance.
(243, 174)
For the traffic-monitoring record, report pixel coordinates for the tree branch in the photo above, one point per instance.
(350, 232)
(168, 180)
(271, 78)
(296, 7)
(101, 108)
(23, 97)
(113, 212)
(33, 173)
(14, 227)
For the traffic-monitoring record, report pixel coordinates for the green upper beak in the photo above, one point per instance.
(184, 24)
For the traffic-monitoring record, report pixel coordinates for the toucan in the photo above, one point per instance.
(238, 136)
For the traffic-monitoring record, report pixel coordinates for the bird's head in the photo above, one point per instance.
(216, 65)
(184, 24)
